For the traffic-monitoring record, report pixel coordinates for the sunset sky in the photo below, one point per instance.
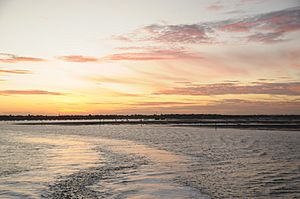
(149, 57)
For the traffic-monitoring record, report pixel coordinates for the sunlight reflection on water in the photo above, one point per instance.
(46, 158)
(67, 155)
(128, 161)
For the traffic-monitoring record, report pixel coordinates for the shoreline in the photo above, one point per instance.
(263, 125)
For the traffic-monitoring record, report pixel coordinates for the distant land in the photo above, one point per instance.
(269, 122)
(151, 117)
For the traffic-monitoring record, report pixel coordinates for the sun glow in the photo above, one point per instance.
(108, 57)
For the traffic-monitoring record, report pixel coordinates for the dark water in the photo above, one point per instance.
(119, 161)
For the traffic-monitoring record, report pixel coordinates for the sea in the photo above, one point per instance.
(147, 161)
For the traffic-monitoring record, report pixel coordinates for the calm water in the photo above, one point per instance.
(131, 161)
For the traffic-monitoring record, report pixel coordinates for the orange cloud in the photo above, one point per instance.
(28, 92)
(11, 58)
(120, 80)
(154, 104)
(78, 58)
(15, 71)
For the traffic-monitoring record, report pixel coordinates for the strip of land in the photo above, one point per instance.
(254, 124)
(160, 117)
(272, 122)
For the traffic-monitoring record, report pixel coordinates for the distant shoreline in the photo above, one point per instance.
(254, 124)
(271, 122)
(159, 117)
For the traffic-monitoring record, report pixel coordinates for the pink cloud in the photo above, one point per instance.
(215, 6)
(291, 88)
(227, 106)
(184, 33)
(121, 38)
(238, 26)
(151, 55)
(265, 37)
(267, 27)
(136, 54)
(78, 58)
(178, 33)
(10, 58)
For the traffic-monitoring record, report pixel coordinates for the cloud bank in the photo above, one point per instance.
(267, 28)
(292, 89)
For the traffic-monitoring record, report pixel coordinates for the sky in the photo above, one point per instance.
(149, 57)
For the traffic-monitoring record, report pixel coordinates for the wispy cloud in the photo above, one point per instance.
(78, 58)
(194, 33)
(225, 106)
(267, 28)
(168, 103)
(271, 37)
(216, 6)
(292, 88)
(14, 71)
(115, 80)
(152, 55)
(243, 2)
(136, 54)
(121, 38)
(11, 58)
(29, 92)
(182, 33)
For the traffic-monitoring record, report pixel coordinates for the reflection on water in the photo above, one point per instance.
(153, 179)
(32, 162)
(130, 147)
(147, 162)
(63, 166)
(66, 155)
